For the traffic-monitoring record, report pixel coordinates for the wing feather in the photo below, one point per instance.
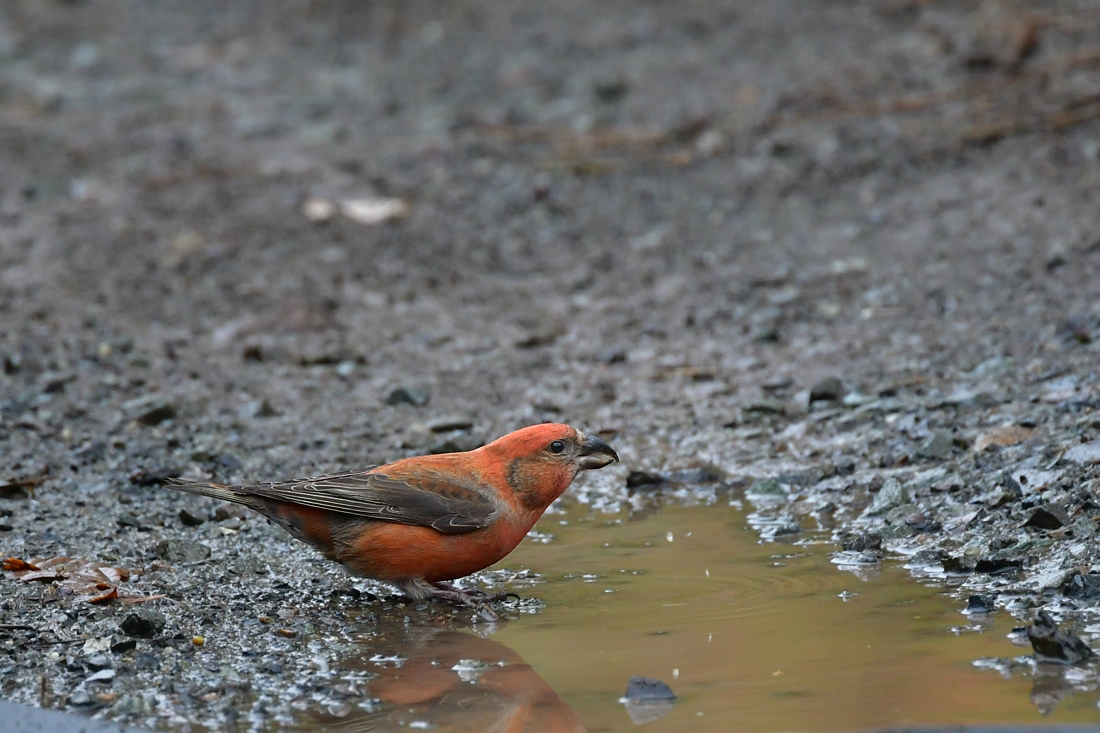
(446, 505)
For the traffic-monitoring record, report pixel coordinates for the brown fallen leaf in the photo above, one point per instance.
(1004, 435)
(21, 486)
(109, 595)
(40, 575)
(140, 599)
(14, 565)
(87, 580)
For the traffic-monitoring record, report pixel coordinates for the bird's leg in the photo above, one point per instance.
(473, 597)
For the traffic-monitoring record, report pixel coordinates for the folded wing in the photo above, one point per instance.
(444, 505)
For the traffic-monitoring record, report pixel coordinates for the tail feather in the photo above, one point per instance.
(214, 491)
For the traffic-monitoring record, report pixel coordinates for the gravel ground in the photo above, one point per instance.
(844, 257)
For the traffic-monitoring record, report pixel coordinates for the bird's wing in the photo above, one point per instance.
(443, 504)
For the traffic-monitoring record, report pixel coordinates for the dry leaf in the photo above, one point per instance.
(14, 565)
(88, 580)
(109, 595)
(1002, 436)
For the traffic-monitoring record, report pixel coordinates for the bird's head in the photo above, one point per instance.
(542, 460)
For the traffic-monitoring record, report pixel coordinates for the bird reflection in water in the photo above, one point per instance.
(453, 680)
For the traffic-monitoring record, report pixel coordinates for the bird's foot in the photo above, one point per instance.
(475, 598)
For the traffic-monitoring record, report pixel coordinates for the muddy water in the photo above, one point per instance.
(750, 636)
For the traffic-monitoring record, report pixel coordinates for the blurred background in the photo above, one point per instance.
(631, 216)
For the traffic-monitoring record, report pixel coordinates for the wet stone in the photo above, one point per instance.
(143, 621)
(957, 565)
(921, 523)
(646, 690)
(768, 487)
(830, 389)
(995, 565)
(891, 495)
(862, 542)
(1048, 516)
(181, 551)
(1051, 644)
(134, 705)
(1083, 587)
(979, 604)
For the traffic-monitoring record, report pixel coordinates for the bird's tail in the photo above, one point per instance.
(215, 491)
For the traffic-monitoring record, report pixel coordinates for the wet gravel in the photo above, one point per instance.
(838, 261)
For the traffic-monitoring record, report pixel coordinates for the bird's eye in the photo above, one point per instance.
(557, 446)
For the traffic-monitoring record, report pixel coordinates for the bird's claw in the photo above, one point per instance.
(475, 598)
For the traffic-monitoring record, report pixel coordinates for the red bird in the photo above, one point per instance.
(417, 522)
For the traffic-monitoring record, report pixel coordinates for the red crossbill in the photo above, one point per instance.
(420, 521)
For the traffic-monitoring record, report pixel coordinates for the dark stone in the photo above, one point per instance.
(121, 645)
(957, 565)
(698, 476)
(995, 565)
(766, 487)
(415, 396)
(787, 529)
(920, 523)
(181, 551)
(1048, 516)
(154, 476)
(610, 89)
(1083, 587)
(128, 519)
(862, 542)
(641, 479)
(830, 389)
(768, 406)
(189, 519)
(645, 690)
(272, 667)
(447, 424)
(766, 335)
(227, 461)
(979, 604)
(151, 409)
(1054, 645)
(143, 621)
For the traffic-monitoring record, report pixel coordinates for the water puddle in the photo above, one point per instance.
(749, 636)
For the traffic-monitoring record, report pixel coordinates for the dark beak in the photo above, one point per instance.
(594, 453)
